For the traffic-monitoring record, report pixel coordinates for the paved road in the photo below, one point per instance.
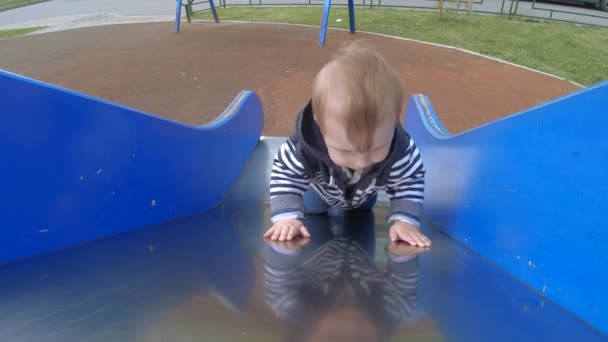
(61, 11)
(580, 13)
(65, 13)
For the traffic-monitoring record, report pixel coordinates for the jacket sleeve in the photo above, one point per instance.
(288, 181)
(406, 187)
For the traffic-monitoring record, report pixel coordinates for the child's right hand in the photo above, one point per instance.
(286, 230)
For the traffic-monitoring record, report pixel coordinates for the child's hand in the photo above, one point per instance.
(408, 233)
(286, 230)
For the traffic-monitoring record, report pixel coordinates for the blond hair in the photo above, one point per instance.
(367, 89)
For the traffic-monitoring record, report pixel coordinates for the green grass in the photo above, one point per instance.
(8, 4)
(574, 52)
(4, 34)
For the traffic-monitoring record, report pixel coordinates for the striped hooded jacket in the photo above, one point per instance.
(303, 162)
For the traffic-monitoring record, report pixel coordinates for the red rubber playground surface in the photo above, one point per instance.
(191, 76)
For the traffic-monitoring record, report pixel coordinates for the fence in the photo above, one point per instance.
(554, 11)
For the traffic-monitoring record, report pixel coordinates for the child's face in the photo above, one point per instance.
(344, 154)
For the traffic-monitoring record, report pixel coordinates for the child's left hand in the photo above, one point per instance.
(408, 233)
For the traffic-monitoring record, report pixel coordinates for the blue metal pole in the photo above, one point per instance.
(178, 14)
(212, 5)
(324, 21)
(351, 15)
